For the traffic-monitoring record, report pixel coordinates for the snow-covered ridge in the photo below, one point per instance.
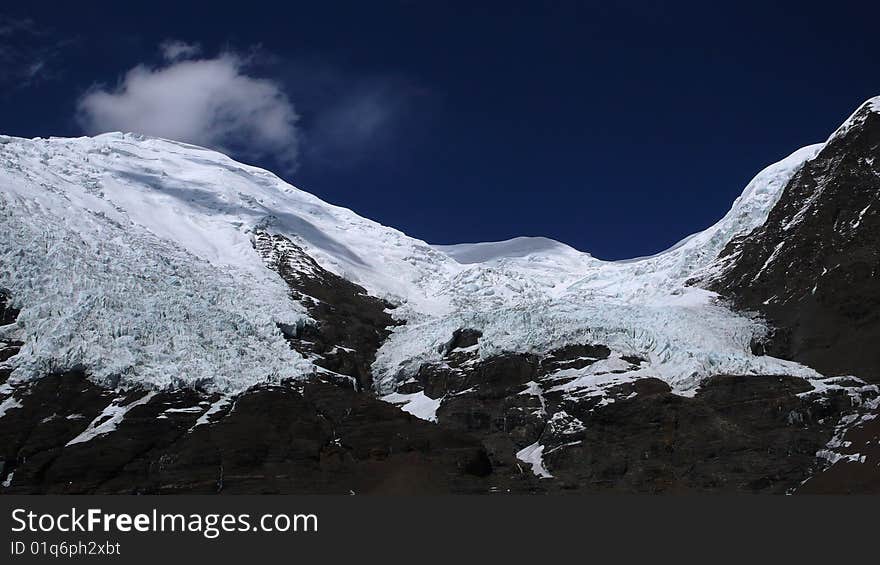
(553, 295)
(207, 203)
(468, 253)
(103, 290)
(872, 105)
(132, 257)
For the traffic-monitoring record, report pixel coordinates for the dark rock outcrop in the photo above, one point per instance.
(350, 324)
(8, 347)
(506, 421)
(752, 434)
(312, 437)
(813, 272)
(737, 434)
(813, 269)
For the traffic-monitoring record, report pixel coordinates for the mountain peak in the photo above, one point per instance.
(867, 112)
(134, 265)
(136, 205)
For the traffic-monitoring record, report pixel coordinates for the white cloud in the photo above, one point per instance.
(209, 102)
(173, 49)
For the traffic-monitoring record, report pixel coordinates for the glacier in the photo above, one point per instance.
(526, 295)
(132, 257)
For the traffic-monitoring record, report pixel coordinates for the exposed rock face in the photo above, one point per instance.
(295, 438)
(323, 435)
(812, 269)
(751, 434)
(351, 324)
(737, 434)
(8, 347)
(855, 461)
(7, 313)
(504, 424)
(518, 422)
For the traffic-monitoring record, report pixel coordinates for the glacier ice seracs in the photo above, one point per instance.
(131, 257)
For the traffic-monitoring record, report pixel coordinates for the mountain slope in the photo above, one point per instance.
(138, 230)
(812, 268)
(534, 296)
(102, 217)
(234, 333)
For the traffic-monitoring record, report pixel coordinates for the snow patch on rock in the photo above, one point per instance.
(533, 455)
(418, 404)
(108, 420)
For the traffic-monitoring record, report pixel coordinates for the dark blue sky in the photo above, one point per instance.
(617, 130)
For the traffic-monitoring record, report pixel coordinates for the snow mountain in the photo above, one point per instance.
(111, 214)
(159, 294)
